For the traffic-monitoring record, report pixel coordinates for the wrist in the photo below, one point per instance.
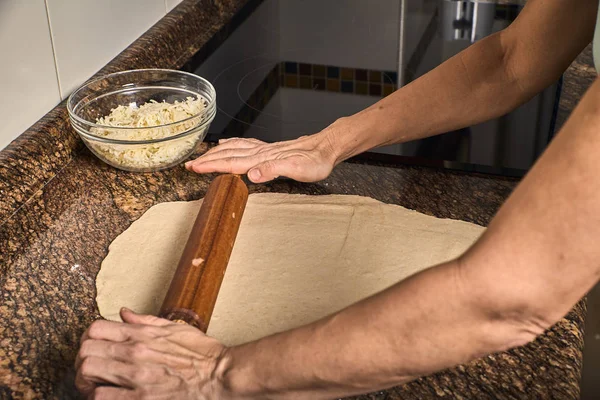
(342, 140)
(233, 378)
(355, 134)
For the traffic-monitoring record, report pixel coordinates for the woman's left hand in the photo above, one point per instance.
(148, 357)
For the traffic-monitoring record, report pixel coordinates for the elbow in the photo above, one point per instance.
(514, 76)
(494, 72)
(510, 315)
(520, 67)
(510, 327)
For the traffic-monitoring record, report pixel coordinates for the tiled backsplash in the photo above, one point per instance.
(337, 79)
(50, 47)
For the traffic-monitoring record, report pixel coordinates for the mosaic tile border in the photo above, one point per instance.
(337, 79)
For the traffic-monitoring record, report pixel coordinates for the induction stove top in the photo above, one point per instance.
(284, 69)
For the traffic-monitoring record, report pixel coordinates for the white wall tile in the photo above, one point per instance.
(27, 73)
(89, 33)
(170, 4)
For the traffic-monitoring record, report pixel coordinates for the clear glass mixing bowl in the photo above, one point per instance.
(98, 97)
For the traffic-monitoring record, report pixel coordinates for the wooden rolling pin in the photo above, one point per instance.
(195, 285)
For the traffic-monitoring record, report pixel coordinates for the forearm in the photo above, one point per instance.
(545, 238)
(416, 327)
(487, 80)
(537, 258)
(474, 86)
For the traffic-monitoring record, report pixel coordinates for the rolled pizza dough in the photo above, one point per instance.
(296, 259)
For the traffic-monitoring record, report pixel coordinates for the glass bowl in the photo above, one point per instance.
(141, 149)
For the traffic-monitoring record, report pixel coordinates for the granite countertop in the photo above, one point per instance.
(60, 208)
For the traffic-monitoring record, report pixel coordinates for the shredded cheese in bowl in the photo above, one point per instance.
(155, 120)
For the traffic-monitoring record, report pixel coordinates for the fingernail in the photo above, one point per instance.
(188, 164)
(254, 174)
(126, 309)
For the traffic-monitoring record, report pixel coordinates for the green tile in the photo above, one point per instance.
(362, 88)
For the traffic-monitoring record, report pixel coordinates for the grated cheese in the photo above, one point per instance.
(148, 115)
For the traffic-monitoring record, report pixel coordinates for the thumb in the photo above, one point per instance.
(133, 318)
(269, 170)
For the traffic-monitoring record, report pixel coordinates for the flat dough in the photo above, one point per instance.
(296, 259)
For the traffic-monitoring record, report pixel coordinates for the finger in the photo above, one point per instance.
(132, 317)
(102, 349)
(240, 140)
(272, 169)
(96, 371)
(111, 393)
(227, 144)
(233, 145)
(84, 351)
(102, 329)
(225, 153)
(154, 352)
(219, 156)
(232, 165)
(119, 331)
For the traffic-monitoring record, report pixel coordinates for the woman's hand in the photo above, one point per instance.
(306, 159)
(148, 357)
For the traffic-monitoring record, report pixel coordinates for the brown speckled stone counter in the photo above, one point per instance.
(58, 239)
(576, 80)
(44, 149)
(60, 208)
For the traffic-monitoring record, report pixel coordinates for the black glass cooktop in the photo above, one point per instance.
(283, 69)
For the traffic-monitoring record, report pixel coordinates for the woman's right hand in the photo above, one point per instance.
(306, 159)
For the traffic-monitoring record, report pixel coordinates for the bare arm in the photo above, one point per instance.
(486, 80)
(538, 257)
